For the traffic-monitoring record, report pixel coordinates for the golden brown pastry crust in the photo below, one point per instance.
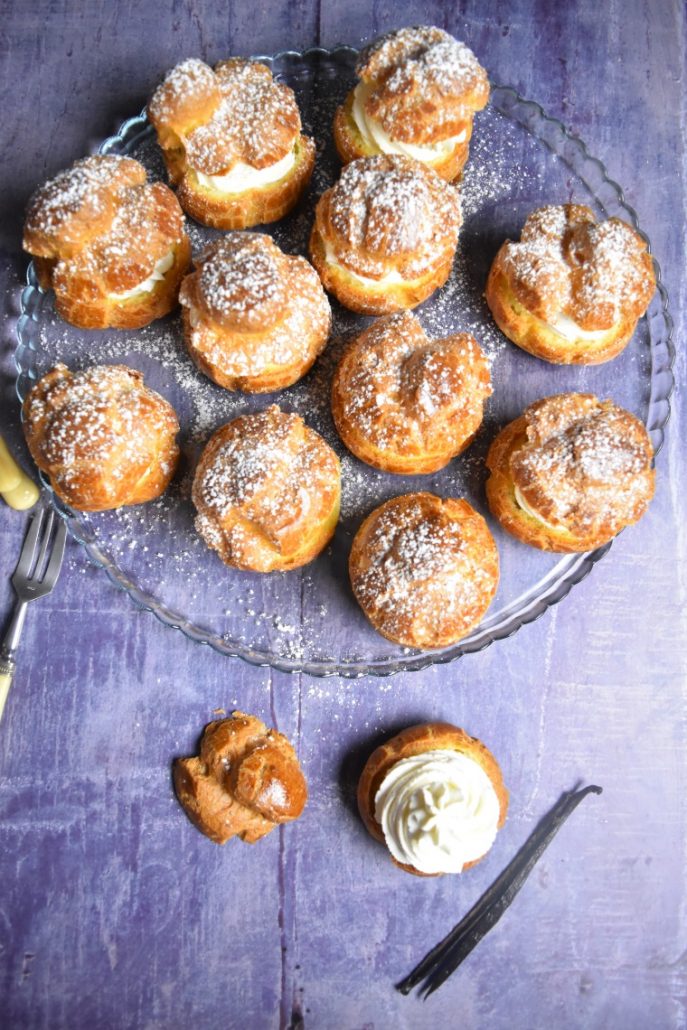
(267, 490)
(404, 403)
(421, 87)
(599, 275)
(583, 465)
(254, 318)
(96, 231)
(351, 145)
(211, 121)
(427, 84)
(424, 569)
(386, 216)
(104, 439)
(246, 781)
(415, 740)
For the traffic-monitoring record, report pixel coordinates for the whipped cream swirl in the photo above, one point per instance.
(438, 811)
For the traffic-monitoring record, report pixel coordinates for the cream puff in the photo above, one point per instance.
(103, 438)
(573, 289)
(245, 782)
(570, 473)
(407, 404)
(112, 246)
(424, 569)
(254, 318)
(435, 797)
(231, 140)
(385, 234)
(267, 490)
(418, 92)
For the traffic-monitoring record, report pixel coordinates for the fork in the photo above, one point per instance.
(35, 575)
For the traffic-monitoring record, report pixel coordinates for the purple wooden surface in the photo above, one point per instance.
(113, 911)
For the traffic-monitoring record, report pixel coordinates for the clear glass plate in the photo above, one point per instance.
(307, 620)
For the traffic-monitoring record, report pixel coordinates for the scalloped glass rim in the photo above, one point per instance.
(529, 605)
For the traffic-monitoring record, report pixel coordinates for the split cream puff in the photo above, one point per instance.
(231, 140)
(435, 797)
(111, 245)
(267, 490)
(103, 438)
(404, 403)
(385, 234)
(424, 569)
(418, 92)
(245, 782)
(254, 318)
(570, 473)
(573, 289)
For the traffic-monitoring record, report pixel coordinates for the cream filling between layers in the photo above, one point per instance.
(375, 136)
(522, 503)
(393, 278)
(438, 811)
(244, 177)
(149, 284)
(568, 328)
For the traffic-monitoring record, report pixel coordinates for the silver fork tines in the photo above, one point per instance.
(35, 575)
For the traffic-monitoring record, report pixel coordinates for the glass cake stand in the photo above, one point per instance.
(307, 620)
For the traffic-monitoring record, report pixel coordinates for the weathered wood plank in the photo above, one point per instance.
(116, 913)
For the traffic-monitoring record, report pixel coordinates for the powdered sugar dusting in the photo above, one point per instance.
(423, 59)
(235, 113)
(240, 277)
(247, 462)
(425, 84)
(253, 308)
(420, 572)
(191, 78)
(99, 432)
(586, 464)
(89, 186)
(310, 615)
(407, 395)
(568, 264)
(390, 208)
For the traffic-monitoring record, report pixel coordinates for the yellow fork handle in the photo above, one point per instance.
(16, 488)
(7, 667)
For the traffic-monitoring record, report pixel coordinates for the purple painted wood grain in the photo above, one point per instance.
(114, 912)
